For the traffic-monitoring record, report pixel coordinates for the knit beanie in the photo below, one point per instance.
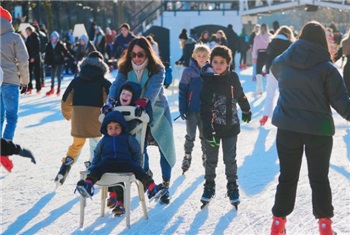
(5, 14)
(54, 34)
(183, 34)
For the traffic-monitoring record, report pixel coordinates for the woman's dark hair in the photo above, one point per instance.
(222, 51)
(314, 31)
(125, 65)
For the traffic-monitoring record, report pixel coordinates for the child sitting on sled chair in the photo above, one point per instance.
(117, 151)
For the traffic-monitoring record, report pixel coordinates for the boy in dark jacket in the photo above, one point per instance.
(221, 91)
(117, 151)
(189, 102)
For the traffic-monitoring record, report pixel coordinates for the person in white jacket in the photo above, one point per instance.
(14, 63)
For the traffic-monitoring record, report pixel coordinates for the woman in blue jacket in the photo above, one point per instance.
(309, 86)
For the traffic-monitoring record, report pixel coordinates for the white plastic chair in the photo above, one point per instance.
(115, 179)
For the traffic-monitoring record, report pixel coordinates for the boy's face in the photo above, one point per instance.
(201, 57)
(125, 97)
(219, 65)
(114, 129)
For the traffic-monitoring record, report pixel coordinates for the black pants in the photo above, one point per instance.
(34, 70)
(290, 148)
(261, 61)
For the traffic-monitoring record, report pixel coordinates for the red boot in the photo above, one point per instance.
(278, 226)
(263, 120)
(50, 92)
(28, 92)
(58, 91)
(325, 226)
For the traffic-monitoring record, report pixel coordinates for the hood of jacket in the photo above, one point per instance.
(5, 26)
(136, 90)
(190, 40)
(92, 68)
(304, 54)
(115, 116)
(194, 65)
(208, 72)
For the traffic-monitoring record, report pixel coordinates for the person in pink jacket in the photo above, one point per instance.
(261, 41)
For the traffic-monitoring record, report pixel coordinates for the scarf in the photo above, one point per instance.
(139, 68)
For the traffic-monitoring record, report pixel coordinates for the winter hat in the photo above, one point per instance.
(95, 54)
(183, 34)
(5, 14)
(84, 38)
(54, 34)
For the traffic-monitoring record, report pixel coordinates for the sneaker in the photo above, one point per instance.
(233, 193)
(157, 191)
(165, 199)
(278, 226)
(186, 162)
(111, 202)
(85, 188)
(50, 92)
(209, 191)
(119, 209)
(204, 159)
(325, 226)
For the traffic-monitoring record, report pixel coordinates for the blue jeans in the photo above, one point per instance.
(166, 168)
(9, 109)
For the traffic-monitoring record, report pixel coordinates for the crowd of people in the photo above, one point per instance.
(300, 68)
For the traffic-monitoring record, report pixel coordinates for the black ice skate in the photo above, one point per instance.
(186, 163)
(86, 189)
(208, 194)
(233, 194)
(157, 192)
(63, 172)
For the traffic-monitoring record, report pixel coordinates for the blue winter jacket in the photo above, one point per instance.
(190, 88)
(309, 86)
(121, 148)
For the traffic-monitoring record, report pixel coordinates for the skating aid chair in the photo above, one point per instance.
(115, 179)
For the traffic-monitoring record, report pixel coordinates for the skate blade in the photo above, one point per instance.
(235, 203)
(158, 195)
(81, 189)
(205, 205)
(58, 179)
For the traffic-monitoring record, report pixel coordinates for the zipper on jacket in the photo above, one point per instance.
(115, 146)
(232, 93)
(189, 99)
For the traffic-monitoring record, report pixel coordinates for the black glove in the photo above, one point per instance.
(183, 115)
(246, 116)
(138, 111)
(27, 153)
(108, 106)
(23, 88)
(213, 142)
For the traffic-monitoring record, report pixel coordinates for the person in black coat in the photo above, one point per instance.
(309, 86)
(187, 45)
(9, 148)
(54, 58)
(122, 41)
(233, 42)
(221, 92)
(33, 47)
(344, 51)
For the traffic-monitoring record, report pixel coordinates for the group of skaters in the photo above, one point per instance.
(301, 67)
(309, 85)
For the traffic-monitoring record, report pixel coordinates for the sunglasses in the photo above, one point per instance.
(138, 54)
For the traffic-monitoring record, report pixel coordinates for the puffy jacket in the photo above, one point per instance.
(276, 47)
(123, 147)
(84, 96)
(219, 97)
(14, 56)
(309, 86)
(190, 88)
(56, 56)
